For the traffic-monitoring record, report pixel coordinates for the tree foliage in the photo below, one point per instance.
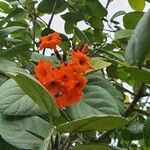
(114, 110)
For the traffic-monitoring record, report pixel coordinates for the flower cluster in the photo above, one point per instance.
(66, 82)
(50, 41)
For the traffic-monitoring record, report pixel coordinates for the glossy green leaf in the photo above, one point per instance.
(142, 75)
(97, 123)
(46, 6)
(134, 131)
(72, 17)
(4, 7)
(96, 9)
(97, 64)
(131, 19)
(4, 32)
(5, 146)
(137, 5)
(3, 79)
(37, 92)
(13, 101)
(22, 50)
(95, 147)
(146, 131)
(9, 66)
(99, 98)
(118, 97)
(35, 57)
(138, 45)
(15, 13)
(96, 23)
(68, 27)
(121, 34)
(80, 34)
(14, 131)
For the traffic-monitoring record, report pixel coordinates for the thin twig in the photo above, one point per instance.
(53, 12)
(134, 102)
(104, 136)
(108, 2)
(65, 115)
(142, 112)
(50, 20)
(67, 142)
(34, 28)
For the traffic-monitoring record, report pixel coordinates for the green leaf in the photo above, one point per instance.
(80, 34)
(92, 147)
(35, 56)
(15, 13)
(139, 46)
(131, 19)
(4, 7)
(3, 79)
(13, 101)
(68, 27)
(22, 49)
(10, 66)
(99, 98)
(121, 34)
(118, 97)
(46, 6)
(97, 64)
(97, 123)
(134, 131)
(47, 145)
(146, 131)
(137, 5)
(5, 146)
(14, 131)
(142, 75)
(4, 32)
(95, 147)
(96, 9)
(96, 23)
(118, 13)
(72, 17)
(37, 92)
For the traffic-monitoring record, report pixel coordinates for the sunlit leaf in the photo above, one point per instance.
(98, 123)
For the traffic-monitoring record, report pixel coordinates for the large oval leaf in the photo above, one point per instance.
(13, 101)
(37, 92)
(95, 147)
(22, 49)
(118, 97)
(131, 19)
(15, 131)
(139, 46)
(99, 98)
(46, 6)
(137, 5)
(146, 131)
(97, 123)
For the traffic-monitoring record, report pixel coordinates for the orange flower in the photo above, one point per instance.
(43, 71)
(65, 74)
(81, 59)
(50, 41)
(66, 82)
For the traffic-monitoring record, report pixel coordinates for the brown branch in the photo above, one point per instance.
(108, 2)
(142, 112)
(53, 12)
(134, 102)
